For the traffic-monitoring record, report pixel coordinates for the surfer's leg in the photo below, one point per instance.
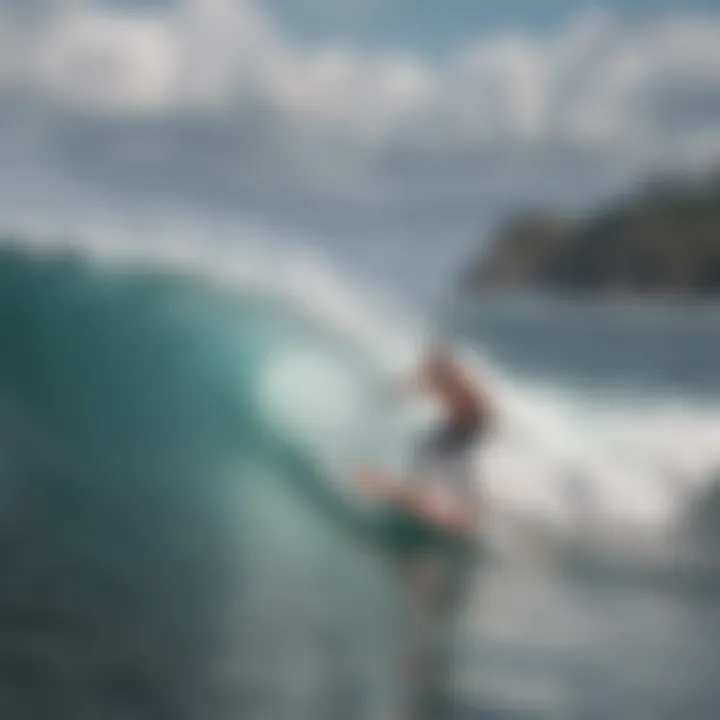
(427, 658)
(432, 585)
(457, 572)
(417, 575)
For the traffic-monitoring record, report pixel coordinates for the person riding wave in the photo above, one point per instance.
(431, 517)
(443, 489)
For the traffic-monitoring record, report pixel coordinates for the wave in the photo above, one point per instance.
(175, 539)
(177, 431)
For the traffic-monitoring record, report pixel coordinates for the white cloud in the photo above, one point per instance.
(216, 90)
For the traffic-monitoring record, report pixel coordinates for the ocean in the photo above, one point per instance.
(180, 536)
(605, 603)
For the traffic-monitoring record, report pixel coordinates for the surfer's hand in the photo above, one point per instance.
(373, 484)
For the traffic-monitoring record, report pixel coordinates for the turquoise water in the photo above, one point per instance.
(179, 540)
(176, 543)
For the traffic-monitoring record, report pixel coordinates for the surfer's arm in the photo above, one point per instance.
(410, 384)
(381, 487)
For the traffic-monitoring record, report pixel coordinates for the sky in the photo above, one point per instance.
(393, 135)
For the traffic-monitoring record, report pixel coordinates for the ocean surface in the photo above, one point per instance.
(179, 536)
(606, 601)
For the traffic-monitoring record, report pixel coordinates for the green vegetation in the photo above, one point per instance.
(662, 241)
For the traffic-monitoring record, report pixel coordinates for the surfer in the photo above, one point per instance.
(443, 489)
(432, 516)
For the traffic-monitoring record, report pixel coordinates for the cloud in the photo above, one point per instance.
(210, 98)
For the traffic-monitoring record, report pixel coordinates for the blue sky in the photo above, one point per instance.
(438, 26)
(391, 134)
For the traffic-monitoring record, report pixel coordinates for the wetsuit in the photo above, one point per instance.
(445, 456)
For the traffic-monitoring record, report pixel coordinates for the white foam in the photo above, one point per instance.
(636, 463)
